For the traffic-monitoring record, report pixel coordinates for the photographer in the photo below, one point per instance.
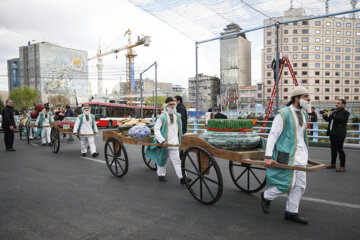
(337, 132)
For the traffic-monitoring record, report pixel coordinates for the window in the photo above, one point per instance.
(286, 81)
(357, 65)
(347, 81)
(304, 81)
(317, 64)
(356, 49)
(317, 56)
(268, 58)
(317, 89)
(358, 25)
(327, 57)
(317, 73)
(268, 50)
(295, 64)
(337, 65)
(327, 65)
(305, 39)
(317, 23)
(268, 41)
(295, 31)
(337, 73)
(286, 98)
(295, 48)
(337, 90)
(268, 65)
(304, 31)
(337, 49)
(286, 73)
(285, 90)
(305, 22)
(348, 25)
(356, 97)
(347, 57)
(327, 73)
(286, 40)
(338, 41)
(337, 81)
(347, 74)
(268, 74)
(317, 40)
(327, 49)
(317, 48)
(348, 41)
(268, 82)
(304, 56)
(286, 31)
(327, 40)
(305, 48)
(317, 31)
(337, 57)
(356, 82)
(317, 98)
(338, 32)
(357, 58)
(357, 42)
(357, 74)
(338, 24)
(347, 65)
(286, 48)
(304, 65)
(295, 72)
(348, 33)
(268, 33)
(328, 32)
(347, 89)
(304, 73)
(327, 89)
(336, 97)
(295, 56)
(268, 90)
(328, 24)
(347, 50)
(317, 81)
(295, 39)
(326, 97)
(295, 23)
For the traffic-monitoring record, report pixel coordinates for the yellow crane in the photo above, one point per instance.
(130, 82)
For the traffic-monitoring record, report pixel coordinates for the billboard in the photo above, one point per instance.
(63, 71)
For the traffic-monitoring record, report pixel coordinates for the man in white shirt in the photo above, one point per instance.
(287, 144)
(85, 124)
(43, 121)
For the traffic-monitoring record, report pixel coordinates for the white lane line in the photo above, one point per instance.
(34, 144)
(317, 200)
(94, 160)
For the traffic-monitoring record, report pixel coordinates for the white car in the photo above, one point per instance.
(0, 121)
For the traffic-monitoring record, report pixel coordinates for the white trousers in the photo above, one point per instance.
(45, 135)
(173, 155)
(87, 141)
(294, 195)
(32, 130)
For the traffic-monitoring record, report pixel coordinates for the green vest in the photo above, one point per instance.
(81, 117)
(41, 119)
(28, 119)
(159, 156)
(284, 151)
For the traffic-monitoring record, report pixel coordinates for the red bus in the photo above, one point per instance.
(107, 114)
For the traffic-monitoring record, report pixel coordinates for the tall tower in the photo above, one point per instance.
(130, 82)
(100, 67)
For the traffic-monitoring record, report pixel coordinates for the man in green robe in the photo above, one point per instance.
(287, 144)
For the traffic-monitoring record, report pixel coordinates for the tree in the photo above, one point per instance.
(2, 105)
(24, 98)
(59, 100)
(149, 101)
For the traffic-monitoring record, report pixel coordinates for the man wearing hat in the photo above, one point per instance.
(43, 121)
(287, 144)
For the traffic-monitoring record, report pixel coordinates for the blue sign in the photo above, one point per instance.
(259, 107)
(132, 77)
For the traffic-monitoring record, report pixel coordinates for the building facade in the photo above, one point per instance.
(209, 90)
(324, 54)
(52, 70)
(13, 67)
(235, 60)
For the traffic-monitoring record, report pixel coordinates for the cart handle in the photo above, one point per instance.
(158, 144)
(315, 165)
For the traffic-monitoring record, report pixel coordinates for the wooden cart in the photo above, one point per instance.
(55, 135)
(28, 126)
(198, 163)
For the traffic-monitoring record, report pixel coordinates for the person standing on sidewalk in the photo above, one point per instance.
(287, 144)
(8, 124)
(337, 132)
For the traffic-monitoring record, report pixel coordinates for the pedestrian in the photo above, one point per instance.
(167, 131)
(209, 115)
(180, 108)
(61, 115)
(85, 124)
(219, 115)
(8, 124)
(313, 118)
(69, 113)
(43, 123)
(337, 132)
(287, 144)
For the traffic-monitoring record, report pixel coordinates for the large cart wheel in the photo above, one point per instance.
(206, 183)
(55, 139)
(21, 129)
(149, 163)
(28, 134)
(249, 178)
(116, 157)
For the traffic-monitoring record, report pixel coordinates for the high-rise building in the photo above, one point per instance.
(324, 53)
(235, 60)
(51, 70)
(209, 90)
(13, 66)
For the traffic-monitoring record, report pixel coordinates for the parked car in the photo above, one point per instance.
(0, 121)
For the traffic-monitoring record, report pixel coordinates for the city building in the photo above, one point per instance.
(51, 70)
(235, 60)
(4, 95)
(209, 90)
(324, 54)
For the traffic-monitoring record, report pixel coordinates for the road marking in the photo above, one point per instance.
(34, 144)
(317, 200)
(94, 160)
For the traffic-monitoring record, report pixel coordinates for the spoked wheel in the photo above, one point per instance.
(149, 163)
(116, 157)
(21, 129)
(55, 140)
(207, 183)
(249, 178)
(28, 133)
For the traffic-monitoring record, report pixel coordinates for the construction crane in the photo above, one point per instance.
(130, 84)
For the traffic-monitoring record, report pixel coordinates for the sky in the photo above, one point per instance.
(79, 24)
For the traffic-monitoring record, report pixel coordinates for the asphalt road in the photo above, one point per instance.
(64, 196)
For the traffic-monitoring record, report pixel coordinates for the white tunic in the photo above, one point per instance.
(86, 126)
(46, 121)
(173, 130)
(301, 154)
